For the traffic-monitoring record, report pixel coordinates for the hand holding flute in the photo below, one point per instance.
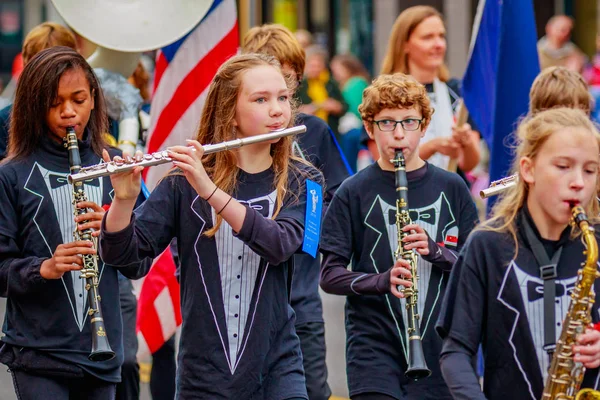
(125, 175)
(127, 184)
(162, 157)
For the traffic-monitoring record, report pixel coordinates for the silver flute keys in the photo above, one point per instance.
(162, 157)
(499, 186)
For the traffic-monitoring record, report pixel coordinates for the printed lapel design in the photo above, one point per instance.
(532, 293)
(429, 218)
(242, 273)
(57, 190)
(510, 296)
(297, 150)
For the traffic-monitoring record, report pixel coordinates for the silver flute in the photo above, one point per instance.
(162, 157)
(499, 186)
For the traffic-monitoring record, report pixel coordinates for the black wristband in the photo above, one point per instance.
(211, 195)
(226, 204)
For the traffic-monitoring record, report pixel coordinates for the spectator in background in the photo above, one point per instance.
(43, 36)
(417, 46)
(556, 49)
(353, 78)
(592, 76)
(318, 93)
(304, 37)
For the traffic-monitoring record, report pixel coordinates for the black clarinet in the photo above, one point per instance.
(417, 368)
(101, 350)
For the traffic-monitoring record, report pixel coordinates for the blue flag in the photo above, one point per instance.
(503, 63)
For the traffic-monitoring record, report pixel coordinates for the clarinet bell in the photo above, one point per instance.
(101, 350)
(417, 367)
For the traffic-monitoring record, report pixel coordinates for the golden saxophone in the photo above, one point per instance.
(565, 375)
(417, 368)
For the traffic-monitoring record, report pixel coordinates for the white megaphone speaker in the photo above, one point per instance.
(122, 30)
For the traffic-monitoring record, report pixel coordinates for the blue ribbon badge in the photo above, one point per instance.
(312, 220)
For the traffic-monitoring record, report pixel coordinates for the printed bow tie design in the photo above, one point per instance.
(427, 216)
(535, 290)
(262, 206)
(57, 181)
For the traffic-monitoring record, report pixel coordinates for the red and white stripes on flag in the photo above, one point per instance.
(183, 73)
(159, 311)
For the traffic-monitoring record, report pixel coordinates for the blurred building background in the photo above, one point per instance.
(358, 26)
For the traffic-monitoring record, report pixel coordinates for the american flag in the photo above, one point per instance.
(183, 73)
(159, 312)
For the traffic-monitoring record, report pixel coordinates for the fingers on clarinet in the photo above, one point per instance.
(395, 280)
(69, 261)
(93, 224)
(399, 281)
(83, 248)
(71, 267)
(90, 216)
(90, 204)
(424, 251)
(75, 244)
(396, 292)
(400, 275)
(411, 227)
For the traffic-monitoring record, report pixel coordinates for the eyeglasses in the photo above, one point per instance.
(409, 124)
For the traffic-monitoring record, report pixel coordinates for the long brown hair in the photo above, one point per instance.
(36, 90)
(396, 59)
(532, 134)
(217, 126)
